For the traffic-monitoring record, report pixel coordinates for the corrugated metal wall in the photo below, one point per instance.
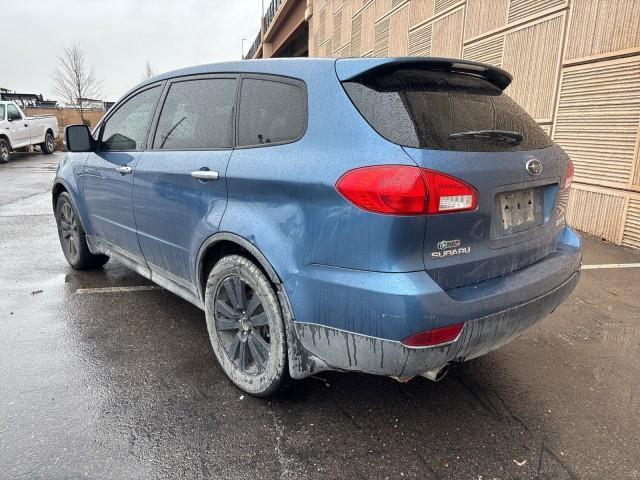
(576, 65)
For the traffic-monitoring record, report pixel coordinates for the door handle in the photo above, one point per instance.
(124, 169)
(205, 175)
(26, 124)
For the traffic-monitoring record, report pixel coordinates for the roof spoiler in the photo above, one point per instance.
(352, 68)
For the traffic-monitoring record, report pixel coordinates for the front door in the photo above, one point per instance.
(108, 173)
(18, 127)
(180, 190)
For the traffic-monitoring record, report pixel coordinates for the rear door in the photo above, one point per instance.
(180, 190)
(108, 173)
(465, 127)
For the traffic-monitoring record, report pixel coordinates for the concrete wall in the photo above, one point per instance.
(576, 67)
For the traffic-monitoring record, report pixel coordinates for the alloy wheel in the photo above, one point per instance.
(242, 325)
(49, 143)
(4, 153)
(69, 232)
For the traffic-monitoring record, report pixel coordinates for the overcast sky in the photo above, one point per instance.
(119, 36)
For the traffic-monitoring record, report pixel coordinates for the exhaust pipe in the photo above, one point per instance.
(437, 374)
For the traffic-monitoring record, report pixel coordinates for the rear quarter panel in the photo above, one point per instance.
(283, 198)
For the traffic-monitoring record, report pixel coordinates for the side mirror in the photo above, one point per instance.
(11, 116)
(78, 138)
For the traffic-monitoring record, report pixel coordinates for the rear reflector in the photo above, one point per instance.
(437, 336)
(406, 190)
(568, 176)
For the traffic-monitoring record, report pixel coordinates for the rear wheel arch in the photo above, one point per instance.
(222, 244)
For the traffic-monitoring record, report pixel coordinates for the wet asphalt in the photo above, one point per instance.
(125, 384)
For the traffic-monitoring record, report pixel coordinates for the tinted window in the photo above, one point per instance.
(1, 112)
(271, 112)
(127, 128)
(197, 114)
(12, 111)
(421, 109)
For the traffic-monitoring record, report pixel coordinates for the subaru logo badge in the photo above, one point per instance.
(534, 167)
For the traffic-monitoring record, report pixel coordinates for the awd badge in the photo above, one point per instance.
(448, 248)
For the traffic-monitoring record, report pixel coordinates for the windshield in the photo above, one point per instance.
(444, 111)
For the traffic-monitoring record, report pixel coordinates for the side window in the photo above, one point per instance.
(13, 112)
(127, 128)
(197, 114)
(271, 112)
(1, 112)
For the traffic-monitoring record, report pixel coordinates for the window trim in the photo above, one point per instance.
(277, 79)
(17, 110)
(163, 97)
(100, 127)
(165, 84)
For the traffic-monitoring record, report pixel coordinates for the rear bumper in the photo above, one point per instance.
(343, 350)
(355, 320)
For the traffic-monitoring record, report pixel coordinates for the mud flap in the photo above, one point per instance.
(301, 363)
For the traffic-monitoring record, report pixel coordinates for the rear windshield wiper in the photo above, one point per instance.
(514, 138)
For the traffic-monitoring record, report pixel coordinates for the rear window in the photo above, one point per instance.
(422, 109)
(271, 112)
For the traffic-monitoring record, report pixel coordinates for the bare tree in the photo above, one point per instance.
(149, 71)
(74, 80)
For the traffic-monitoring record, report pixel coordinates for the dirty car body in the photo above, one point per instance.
(410, 215)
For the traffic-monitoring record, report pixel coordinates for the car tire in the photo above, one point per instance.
(48, 146)
(73, 237)
(5, 150)
(246, 326)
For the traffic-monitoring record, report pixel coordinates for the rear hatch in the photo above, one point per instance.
(454, 118)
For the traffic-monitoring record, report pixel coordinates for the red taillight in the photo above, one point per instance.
(437, 336)
(568, 176)
(405, 190)
(390, 189)
(448, 194)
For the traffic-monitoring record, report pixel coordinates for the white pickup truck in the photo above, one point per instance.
(19, 131)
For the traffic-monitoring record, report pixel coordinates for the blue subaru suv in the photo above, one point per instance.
(387, 216)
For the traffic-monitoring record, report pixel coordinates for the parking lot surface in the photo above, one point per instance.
(100, 382)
